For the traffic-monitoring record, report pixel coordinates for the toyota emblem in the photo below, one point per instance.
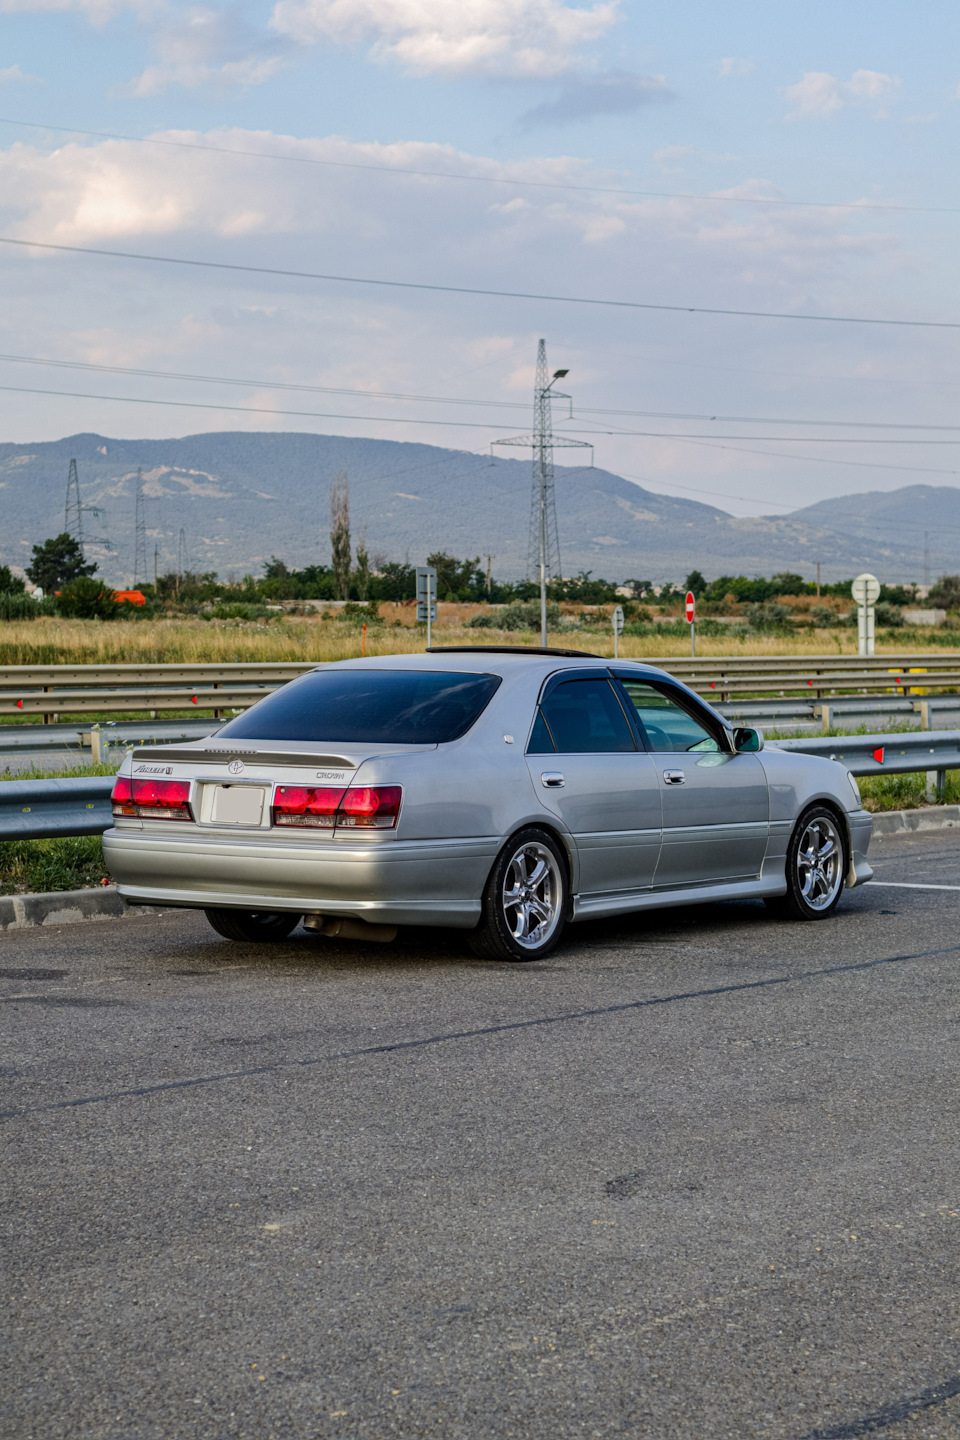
(235, 767)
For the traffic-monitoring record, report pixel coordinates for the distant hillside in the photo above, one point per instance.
(241, 497)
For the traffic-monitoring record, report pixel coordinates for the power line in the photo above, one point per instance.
(455, 424)
(769, 200)
(453, 400)
(471, 289)
(823, 460)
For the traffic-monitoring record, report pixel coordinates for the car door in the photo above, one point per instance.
(589, 769)
(715, 804)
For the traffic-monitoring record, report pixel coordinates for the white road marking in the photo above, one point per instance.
(912, 885)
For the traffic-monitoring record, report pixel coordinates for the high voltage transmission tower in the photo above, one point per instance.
(139, 535)
(73, 509)
(543, 555)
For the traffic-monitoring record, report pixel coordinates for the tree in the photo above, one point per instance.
(10, 584)
(362, 573)
(87, 599)
(946, 592)
(454, 577)
(340, 534)
(56, 562)
(695, 583)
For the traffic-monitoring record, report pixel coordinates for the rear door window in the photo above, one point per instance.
(374, 707)
(581, 717)
(664, 723)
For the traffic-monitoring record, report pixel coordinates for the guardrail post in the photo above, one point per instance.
(826, 716)
(922, 707)
(93, 738)
(936, 784)
(218, 714)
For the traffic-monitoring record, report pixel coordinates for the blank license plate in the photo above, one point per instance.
(237, 805)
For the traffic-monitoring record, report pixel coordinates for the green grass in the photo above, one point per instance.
(33, 866)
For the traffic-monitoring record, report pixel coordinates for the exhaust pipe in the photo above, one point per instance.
(337, 927)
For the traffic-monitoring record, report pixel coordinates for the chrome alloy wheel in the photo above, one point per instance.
(532, 895)
(820, 863)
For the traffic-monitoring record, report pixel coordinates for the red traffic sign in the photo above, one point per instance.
(690, 606)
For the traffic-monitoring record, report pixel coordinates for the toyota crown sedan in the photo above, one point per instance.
(504, 791)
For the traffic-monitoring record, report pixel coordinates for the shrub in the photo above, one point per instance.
(522, 616)
(823, 617)
(87, 599)
(889, 615)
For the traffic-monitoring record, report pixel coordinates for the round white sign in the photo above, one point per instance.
(866, 589)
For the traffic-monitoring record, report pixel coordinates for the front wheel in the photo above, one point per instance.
(816, 868)
(258, 926)
(524, 907)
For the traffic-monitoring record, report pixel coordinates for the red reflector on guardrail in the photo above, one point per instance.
(878, 755)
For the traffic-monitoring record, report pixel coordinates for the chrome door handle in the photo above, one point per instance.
(551, 780)
(674, 777)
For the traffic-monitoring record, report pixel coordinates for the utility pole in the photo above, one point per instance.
(926, 557)
(818, 579)
(490, 560)
(139, 535)
(156, 553)
(544, 547)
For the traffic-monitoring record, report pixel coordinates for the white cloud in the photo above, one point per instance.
(820, 93)
(98, 12)
(732, 68)
(192, 74)
(13, 75)
(453, 37)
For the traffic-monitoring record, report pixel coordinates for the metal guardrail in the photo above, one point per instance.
(53, 690)
(40, 809)
(43, 809)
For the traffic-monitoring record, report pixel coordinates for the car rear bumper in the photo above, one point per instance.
(391, 882)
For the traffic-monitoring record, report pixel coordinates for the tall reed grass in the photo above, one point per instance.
(54, 641)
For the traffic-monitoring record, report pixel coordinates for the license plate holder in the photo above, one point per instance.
(238, 805)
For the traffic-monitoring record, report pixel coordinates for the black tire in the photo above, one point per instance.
(816, 867)
(257, 926)
(528, 882)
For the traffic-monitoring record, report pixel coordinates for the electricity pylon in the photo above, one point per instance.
(73, 509)
(139, 535)
(543, 558)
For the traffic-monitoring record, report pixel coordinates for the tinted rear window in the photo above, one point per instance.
(377, 707)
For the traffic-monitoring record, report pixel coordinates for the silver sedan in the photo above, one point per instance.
(504, 791)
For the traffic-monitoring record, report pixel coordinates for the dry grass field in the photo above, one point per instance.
(52, 641)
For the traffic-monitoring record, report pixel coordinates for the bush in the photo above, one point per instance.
(768, 616)
(238, 611)
(823, 617)
(87, 599)
(889, 615)
(15, 605)
(354, 614)
(524, 616)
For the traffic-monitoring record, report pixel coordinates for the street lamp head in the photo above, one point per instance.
(559, 374)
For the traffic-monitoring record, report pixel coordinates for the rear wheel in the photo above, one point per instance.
(816, 868)
(525, 900)
(258, 926)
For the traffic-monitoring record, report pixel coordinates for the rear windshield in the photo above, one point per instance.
(378, 707)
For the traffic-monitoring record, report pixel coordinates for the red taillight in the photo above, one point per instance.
(370, 807)
(152, 799)
(299, 805)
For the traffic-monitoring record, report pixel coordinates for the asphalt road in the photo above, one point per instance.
(695, 1175)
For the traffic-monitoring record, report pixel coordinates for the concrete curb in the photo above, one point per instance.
(65, 907)
(69, 907)
(900, 822)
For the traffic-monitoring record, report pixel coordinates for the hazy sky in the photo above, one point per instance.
(556, 118)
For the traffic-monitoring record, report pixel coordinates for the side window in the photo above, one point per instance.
(666, 725)
(585, 717)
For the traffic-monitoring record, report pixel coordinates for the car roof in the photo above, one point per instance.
(496, 660)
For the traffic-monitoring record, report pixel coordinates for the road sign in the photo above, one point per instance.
(616, 620)
(866, 589)
(426, 596)
(690, 607)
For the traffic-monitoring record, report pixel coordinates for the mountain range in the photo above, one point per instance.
(227, 501)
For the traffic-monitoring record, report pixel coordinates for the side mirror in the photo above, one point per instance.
(746, 741)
